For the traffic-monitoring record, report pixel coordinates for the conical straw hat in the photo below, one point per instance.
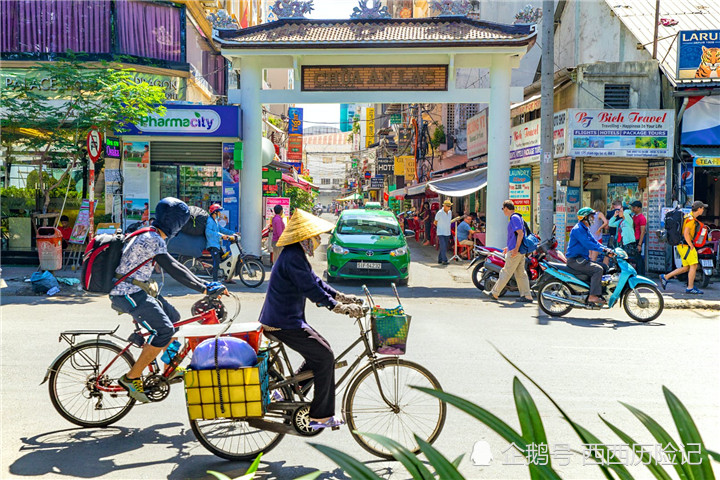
(303, 225)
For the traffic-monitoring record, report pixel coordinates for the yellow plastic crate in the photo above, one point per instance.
(243, 391)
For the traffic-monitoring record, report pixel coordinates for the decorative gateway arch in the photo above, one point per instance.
(383, 60)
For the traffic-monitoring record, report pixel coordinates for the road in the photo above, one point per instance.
(587, 363)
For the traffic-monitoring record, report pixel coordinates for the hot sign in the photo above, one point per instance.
(94, 144)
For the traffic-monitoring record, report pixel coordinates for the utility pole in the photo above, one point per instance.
(655, 32)
(547, 74)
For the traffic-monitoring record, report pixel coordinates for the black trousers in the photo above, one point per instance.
(216, 258)
(319, 358)
(595, 270)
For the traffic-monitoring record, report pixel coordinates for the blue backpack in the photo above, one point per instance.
(530, 241)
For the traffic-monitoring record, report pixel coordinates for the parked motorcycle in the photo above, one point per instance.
(480, 254)
(249, 268)
(706, 257)
(560, 289)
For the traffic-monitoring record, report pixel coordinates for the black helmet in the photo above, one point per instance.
(171, 214)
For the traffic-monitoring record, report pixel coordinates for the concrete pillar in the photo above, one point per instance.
(251, 174)
(498, 181)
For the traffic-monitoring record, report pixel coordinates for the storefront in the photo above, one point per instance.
(189, 153)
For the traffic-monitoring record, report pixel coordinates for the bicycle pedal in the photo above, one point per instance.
(335, 428)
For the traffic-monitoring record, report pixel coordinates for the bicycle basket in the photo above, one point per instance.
(228, 393)
(390, 328)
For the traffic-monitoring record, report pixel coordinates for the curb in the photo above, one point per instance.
(675, 303)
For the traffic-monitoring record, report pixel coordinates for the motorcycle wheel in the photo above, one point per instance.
(251, 273)
(489, 280)
(197, 267)
(477, 276)
(554, 309)
(701, 278)
(645, 309)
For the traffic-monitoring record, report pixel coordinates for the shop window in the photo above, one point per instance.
(617, 95)
(324, 181)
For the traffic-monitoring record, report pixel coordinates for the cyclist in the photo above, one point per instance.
(283, 313)
(580, 245)
(213, 234)
(138, 295)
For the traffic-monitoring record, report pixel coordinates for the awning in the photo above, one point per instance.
(398, 192)
(461, 184)
(704, 156)
(300, 183)
(351, 197)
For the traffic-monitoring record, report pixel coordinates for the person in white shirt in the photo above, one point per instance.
(442, 222)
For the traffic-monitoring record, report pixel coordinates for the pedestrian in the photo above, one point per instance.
(597, 226)
(514, 260)
(622, 219)
(612, 231)
(277, 227)
(640, 225)
(443, 218)
(214, 232)
(686, 250)
(426, 218)
(65, 230)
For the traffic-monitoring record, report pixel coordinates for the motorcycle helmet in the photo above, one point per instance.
(171, 214)
(584, 213)
(214, 208)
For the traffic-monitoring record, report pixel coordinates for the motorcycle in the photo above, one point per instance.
(706, 257)
(480, 255)
(248, 267)
(560, 289)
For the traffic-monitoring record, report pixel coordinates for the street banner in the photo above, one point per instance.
(369, 127)
(295, 148)
(520, 191)
(410, 170)
(621, 133)
(295, 122)
(525, 143)
(687, 182)
(701, 122)
(270, 203)
(136, 181)
(477, 135)
(83, 223)
(657, 190)
(384, 166)
(559, 133)
(400, 165)
(231, 187)
(697, 54)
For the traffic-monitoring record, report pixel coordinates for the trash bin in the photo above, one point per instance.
(49, 245)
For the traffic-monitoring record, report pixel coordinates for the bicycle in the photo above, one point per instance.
(249, 268)
(378, 398)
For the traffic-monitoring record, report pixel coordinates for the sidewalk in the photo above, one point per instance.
(674, 296)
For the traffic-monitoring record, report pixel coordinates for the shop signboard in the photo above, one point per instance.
(695, 53)
(477, 135)
(295, 121)
(701, 121)
(369, 126)
(657, 190)
(136, 181)
(295, 148)
(706, 161)
(687, 181)
(377, 182)
(573, 204)
(410, 170)
(525, 143)
(559, 133)
(620, 133)
(112, 147)
(269, 190)
(270, 203)
(231, 187)
(521, 191)
(400, 164)
(191, 120)
(626, 192)
(82, 223)
(352, 78)
(384, 166)
(395, 119)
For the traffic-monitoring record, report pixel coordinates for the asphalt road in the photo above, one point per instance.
(586, 361)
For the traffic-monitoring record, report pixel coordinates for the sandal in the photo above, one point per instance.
(332, 422)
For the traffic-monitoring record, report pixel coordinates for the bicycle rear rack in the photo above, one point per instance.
(70, 335)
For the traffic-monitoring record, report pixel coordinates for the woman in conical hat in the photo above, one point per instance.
(283, 314)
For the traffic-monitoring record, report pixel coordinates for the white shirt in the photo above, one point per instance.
(443, 219)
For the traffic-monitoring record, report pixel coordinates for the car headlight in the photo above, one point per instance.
(398, 252)
(340, 250)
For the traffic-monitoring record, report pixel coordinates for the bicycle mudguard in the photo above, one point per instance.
(640, 280)
(51, 368)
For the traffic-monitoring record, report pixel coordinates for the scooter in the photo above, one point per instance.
(480, 255)
(560, 289)
(249, 268)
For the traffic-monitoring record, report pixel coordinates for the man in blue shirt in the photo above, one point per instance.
(514, 260)
(464, 230)
(578, 250)
(213, 234)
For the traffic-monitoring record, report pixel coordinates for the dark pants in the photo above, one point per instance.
(319, 358)
(155, 314)
(593, 269)
(443, 241)
(635, 257)
(217, 257)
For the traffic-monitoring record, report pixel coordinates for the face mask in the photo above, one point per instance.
(310, 245)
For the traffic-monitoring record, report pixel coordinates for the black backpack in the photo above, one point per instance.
(101, 259)
(195, 225)
(673, 226)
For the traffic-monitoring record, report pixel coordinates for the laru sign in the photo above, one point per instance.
(191, 120)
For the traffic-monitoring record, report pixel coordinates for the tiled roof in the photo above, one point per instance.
(393, 32)
(339, 138)
(639, 15)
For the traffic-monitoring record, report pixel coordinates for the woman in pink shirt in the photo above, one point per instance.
(277, 227)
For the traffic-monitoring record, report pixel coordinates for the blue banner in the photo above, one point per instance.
(697, 54)
(295, 122)
(190, 121)
(231, 187)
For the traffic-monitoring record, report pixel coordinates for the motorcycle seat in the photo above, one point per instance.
(564, 268)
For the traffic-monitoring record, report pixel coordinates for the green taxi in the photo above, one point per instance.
(368, 243)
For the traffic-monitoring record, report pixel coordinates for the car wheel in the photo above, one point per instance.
(330, 278)
(403, 282)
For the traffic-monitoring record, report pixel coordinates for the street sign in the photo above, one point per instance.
(395, 119)
(367, 174)
(377, 182)
(94, 144)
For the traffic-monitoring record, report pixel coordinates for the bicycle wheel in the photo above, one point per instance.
(73, 378)
(412, 411)
(234, 439)
(252, 273)
(197, 267)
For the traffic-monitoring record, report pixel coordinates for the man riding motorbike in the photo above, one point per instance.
(579, 247)
(283, 313)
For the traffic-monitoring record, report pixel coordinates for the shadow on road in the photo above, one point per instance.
(29, 301)
(599, 322)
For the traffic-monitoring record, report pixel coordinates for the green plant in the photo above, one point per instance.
(438, 136)
(300, 198)
(532, 435)
(250, 474)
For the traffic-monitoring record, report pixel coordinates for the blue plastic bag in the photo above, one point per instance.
(232, 353)
(186, 245)
(43, 281)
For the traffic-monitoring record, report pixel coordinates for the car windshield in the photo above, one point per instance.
(368, 226)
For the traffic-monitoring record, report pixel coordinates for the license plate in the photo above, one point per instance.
(369, 265)
(706, 263)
